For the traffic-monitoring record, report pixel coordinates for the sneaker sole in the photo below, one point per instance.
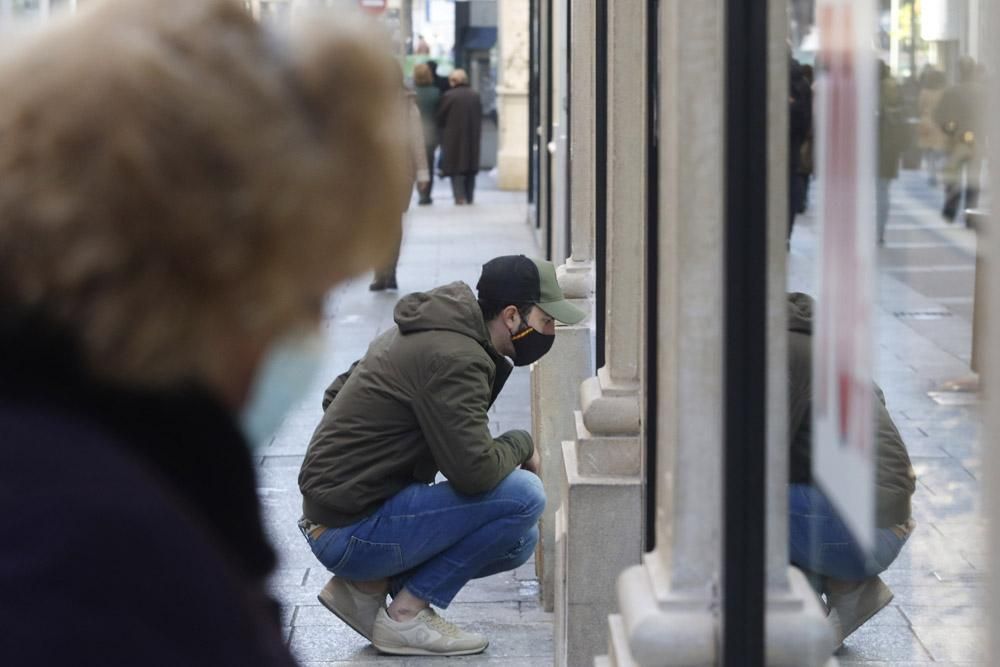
(345, 619)
(413, 650)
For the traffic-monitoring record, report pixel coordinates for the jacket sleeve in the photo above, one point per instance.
(799, 383)
(338, 384)
(441, 115)
(451, 411)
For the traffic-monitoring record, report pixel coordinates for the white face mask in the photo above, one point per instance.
(281, 380)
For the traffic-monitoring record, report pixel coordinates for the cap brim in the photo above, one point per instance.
(563, 311)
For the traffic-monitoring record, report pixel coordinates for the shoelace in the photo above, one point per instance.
(444, 627)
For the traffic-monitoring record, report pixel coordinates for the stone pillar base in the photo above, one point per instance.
(598, 534)
(555, 382)
(681, 629)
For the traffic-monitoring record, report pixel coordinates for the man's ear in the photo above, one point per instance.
(508, 315)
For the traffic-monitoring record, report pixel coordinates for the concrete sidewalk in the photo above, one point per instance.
(442, 243)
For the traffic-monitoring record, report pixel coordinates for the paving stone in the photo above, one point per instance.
(954, 643)
(883, 642)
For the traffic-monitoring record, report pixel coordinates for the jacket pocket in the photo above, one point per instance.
(364, 560)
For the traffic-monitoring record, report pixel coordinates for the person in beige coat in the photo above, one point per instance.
(385, 278)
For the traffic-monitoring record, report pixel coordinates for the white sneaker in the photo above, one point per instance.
(850, 610)
(424, 634)
(351, 605)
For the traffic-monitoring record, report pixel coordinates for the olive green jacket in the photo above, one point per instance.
(894, 478)
(414, 405)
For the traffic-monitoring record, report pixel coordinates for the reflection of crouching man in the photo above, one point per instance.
(414, 405)
(820, 543)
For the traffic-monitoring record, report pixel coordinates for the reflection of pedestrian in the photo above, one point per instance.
(461, 117)
(385, 277)
(799, 129)
(819, 541)
(958, 114)
(160, 308)
(805, 171)
(428, 99)
(930, 137)
(891, 141)
(422, 48)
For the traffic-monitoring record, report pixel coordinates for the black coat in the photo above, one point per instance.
(130, 530)
(460, 117)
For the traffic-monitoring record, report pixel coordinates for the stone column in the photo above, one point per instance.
(512, 94)
(556, 379)
(989, 240)
(669, 603)
(599, 525)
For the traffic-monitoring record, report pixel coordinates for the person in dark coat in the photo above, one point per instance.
(163, 264)
(428, 97)
(960, 115)
(460, 118)
(819, 541)
(799, 131)
(441, 82)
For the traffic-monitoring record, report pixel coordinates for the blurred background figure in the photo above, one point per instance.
(892, 138)
(805, 170)
(440, 81)
(930, 138)
(460, 117)
(180, 189)
(958, 114)
(416, 162)
(428, 99)
(422, 47)
(799, 131)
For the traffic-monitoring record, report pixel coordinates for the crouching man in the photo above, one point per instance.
(414, 405)
(819, 541)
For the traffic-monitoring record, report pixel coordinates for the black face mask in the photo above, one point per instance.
(530, 345)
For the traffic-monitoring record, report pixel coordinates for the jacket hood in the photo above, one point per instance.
(800, 312)
(451, 307)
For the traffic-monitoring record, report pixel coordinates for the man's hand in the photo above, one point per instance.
(534, 464)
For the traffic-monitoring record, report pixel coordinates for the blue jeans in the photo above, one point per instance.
(820, 542)
(433, 540)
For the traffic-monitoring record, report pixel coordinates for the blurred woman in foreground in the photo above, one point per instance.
(179, 189)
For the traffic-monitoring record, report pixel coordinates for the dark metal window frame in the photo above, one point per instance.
(745, 332)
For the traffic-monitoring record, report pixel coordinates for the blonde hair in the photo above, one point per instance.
(422, 75)
(173, 176)
(458, 77)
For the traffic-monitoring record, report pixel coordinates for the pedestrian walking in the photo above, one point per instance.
(959, 115)
(460, 117)
(440, 81)
(385, 276)
(892, 131)
(168, 232)
(428, 100)
(414, 405)
(820, 543)
(930, 137)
